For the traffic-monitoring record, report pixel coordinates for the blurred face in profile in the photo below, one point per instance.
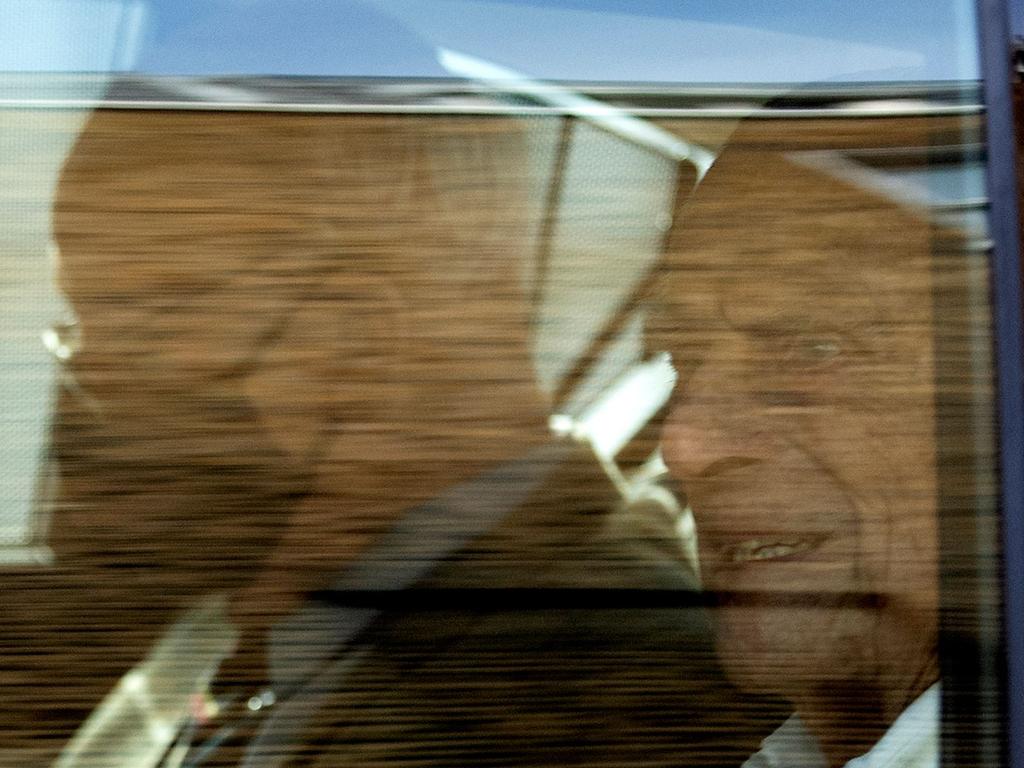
(798, 312)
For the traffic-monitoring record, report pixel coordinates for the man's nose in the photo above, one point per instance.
(711, 429)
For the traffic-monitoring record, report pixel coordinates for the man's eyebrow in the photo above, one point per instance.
(790, 319)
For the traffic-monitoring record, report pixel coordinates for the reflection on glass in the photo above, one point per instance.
(480, 420)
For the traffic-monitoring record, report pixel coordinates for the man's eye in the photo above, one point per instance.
(814, 351)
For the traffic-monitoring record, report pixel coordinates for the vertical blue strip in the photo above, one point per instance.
(994, 31)
(1016, 17)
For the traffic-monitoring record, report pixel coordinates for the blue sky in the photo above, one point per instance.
(601, 40)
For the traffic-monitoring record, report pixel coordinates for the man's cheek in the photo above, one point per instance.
(779, 648)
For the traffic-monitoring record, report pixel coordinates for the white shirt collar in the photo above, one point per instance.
(911, 742)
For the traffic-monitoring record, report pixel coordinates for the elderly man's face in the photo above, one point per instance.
(800, 321)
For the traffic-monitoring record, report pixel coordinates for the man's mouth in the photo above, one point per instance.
(766, 549)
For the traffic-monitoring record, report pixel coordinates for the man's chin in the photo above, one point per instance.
(742, 648)
(751, 673)
(783, 650)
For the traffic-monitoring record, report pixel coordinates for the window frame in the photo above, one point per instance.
(994, 49)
